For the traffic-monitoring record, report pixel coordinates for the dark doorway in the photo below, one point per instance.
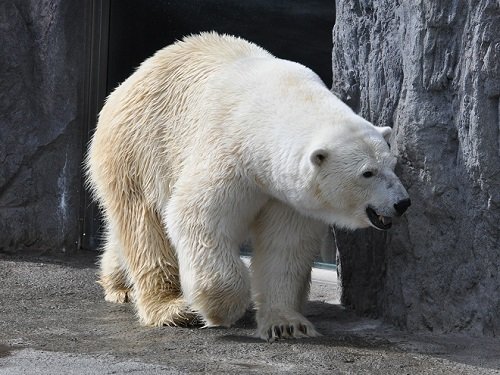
(292, 29)
(125, 32)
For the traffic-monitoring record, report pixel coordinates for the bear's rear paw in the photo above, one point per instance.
(275, 324)
(118, 295)
(115, 289)
(164, 310)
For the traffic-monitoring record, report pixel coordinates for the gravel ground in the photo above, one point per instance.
(54, 320)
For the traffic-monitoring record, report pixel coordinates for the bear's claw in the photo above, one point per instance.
(295, 326)
(281, 332)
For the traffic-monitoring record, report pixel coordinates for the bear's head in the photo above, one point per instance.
(353, 181)
(332, 165)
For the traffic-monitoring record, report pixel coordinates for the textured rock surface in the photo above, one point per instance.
(41, 72)
(430, 69)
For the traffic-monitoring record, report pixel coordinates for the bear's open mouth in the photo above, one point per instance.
(378, 221)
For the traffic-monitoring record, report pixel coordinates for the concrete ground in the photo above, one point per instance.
(54, 320)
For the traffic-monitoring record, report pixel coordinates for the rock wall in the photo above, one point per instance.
(42, 70)
(431, 70)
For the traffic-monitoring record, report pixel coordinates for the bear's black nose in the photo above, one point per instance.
(402, 206)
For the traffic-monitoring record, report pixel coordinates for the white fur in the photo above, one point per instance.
(212, 139)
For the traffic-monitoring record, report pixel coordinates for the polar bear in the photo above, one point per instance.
(213, 141)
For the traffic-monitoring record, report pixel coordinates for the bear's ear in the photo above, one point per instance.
(386, 132)
(318, 156)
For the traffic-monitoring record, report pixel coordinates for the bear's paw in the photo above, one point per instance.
(166, 311)
(275, 324)
(118, 296)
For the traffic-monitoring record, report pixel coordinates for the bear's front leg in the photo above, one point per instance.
(206, 225)
(284, 244)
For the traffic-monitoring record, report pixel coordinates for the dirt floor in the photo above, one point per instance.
(54, 320)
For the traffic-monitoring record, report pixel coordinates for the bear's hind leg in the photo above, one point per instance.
(112, 276)
(284, 246)
(151, 267)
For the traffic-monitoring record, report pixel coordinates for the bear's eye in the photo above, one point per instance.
(368, 174)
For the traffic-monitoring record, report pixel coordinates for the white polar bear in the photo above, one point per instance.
(212, 141)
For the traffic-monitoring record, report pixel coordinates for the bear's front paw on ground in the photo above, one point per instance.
(278, 324)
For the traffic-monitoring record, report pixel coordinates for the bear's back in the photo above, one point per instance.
(152, 118)
(175, 74)
(210, 47)
(190, 62)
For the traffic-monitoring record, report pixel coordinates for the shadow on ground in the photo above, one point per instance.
(54, 320)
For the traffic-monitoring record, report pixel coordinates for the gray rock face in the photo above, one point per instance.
(42, 66)
(431, 70)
